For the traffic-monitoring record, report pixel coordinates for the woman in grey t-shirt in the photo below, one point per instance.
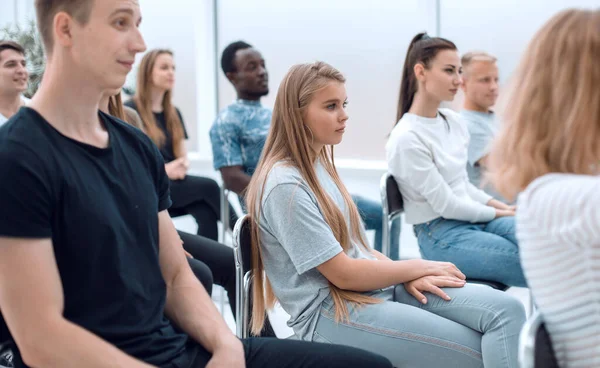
(311, 245)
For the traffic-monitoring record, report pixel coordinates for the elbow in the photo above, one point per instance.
(343, 272)
(342, 282)
(36, 349)
(348, 281)
(32, 355)
(40, 343)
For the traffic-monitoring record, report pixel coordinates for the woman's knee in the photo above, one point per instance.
(512, 308)
(506, 308)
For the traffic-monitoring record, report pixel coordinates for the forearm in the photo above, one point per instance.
(238, 182)
(191, 308)
(367, 275)
(64, 344)
(379, 255)
(181, 150)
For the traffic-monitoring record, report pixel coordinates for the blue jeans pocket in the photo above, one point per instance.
(430, 234)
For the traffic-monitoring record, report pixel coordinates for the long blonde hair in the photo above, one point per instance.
(289, 140)
(143, 101)
(552, 113)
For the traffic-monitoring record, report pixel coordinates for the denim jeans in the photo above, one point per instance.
(371, 213)
(479, 327)
(486, 251)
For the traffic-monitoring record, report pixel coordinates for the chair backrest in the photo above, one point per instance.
(243, 276)
(242, 245)
(394, 201)
(544, 354)
(535, 346)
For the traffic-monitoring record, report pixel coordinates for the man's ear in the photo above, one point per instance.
(62, 29)
(232, 77)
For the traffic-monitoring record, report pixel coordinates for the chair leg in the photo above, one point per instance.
(531, 304)
(385, 237)
(246, 306)
(224, 215)
(239, 291)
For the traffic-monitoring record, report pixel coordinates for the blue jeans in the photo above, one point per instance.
(479, 327)
(486, 251)
(371, 213)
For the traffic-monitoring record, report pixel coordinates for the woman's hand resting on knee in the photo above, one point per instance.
(432, 284)
(435, 268)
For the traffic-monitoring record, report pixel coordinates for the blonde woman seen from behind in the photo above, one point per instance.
(549, 152)
(310, 245)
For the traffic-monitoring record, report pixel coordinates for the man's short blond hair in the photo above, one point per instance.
(472, 56)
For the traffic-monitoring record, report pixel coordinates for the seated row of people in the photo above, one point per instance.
(310, 241)
(92, 271)
(310, 247)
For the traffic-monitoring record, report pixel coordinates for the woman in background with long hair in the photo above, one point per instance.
(163, 123)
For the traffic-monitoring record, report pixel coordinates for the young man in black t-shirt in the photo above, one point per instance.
(92, 272)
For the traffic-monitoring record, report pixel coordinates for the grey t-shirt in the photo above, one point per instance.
(295, 239)
(482, 131)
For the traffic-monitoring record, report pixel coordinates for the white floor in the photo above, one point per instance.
(279, 318)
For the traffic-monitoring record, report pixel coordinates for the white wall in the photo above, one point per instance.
(500, 27)
(186, 27)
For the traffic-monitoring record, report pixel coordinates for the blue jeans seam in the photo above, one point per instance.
(459, 246)
(506, 251)
(496, 315)
(414, 337)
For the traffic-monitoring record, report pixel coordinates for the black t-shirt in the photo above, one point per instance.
(167, 148)
(100, 208)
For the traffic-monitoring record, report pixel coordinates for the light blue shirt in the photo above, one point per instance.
(239, 134)
(483, 128)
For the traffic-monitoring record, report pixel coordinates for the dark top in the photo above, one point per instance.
(167, 148)
(100, 208)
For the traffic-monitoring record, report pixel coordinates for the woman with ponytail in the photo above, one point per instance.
(427, 154)
(310, 252)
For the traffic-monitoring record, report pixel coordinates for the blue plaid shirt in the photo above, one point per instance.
(239, 134)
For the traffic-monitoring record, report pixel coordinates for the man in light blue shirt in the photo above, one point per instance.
(240, 131)
(480, 87)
